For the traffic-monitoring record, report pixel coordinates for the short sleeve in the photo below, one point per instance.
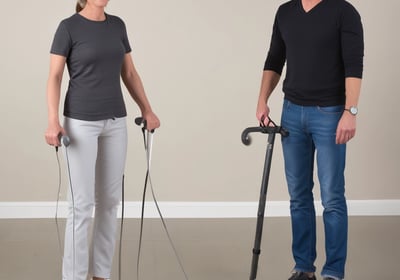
(62, 41)
(125, 39)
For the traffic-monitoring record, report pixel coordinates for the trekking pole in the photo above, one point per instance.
(148, 143)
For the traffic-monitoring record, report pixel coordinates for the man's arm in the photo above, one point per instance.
(352, 35)
(347, 125)
(268, 83)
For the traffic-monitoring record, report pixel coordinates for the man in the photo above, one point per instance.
(321, 42)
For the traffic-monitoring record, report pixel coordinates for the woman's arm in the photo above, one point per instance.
(57, 64)
(135, 87)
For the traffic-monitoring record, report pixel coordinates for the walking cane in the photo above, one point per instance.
(271, 129)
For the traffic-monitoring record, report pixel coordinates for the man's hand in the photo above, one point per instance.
(346, 129)
(262, 112)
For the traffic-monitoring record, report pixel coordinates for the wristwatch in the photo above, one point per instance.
(353, 110)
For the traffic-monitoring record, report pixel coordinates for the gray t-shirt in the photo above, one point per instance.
(94, 52)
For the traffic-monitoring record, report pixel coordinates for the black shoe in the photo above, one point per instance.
(301, 276)
(329, 278)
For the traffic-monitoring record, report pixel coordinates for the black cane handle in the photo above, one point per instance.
(142, 121)
(271, 128)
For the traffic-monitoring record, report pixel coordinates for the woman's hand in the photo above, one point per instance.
(52, 134)
(152, 121)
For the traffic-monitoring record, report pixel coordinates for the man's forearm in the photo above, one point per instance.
(268, 83)
(353, 89)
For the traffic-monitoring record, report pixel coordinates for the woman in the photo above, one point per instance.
(95, 47)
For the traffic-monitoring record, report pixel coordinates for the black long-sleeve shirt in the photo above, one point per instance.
(321, 48)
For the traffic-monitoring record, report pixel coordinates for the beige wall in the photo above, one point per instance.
(201, 64)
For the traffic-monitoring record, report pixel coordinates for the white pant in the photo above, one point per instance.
(96, 159)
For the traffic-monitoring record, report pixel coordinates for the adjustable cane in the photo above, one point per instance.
(271, 129)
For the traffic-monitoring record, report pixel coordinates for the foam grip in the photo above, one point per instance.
(64, 139)
(139, 120)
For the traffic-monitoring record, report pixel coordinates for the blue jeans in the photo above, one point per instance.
(312, 130)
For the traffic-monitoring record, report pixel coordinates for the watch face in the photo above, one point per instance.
(353, 110)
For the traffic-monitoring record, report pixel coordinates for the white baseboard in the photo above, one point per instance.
(35, 210)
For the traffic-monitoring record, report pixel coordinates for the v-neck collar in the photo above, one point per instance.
(312, 9)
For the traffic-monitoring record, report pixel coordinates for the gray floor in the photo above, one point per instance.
(210, 249)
